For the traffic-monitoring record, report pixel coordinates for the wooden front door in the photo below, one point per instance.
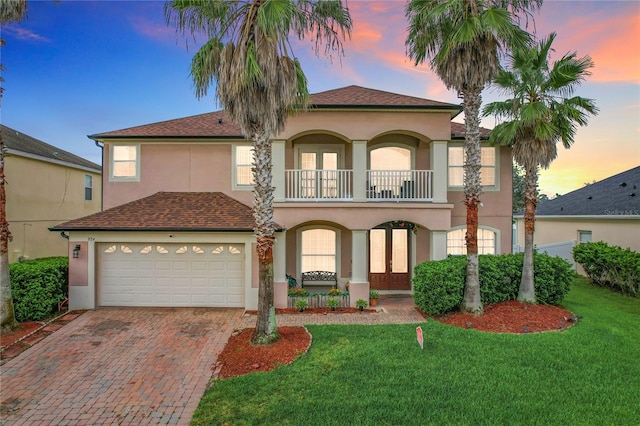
(389, 267)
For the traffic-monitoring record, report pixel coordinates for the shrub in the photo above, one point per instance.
(38, 286)
(333, 303)
(439, 285)
(610, 266)
(500, 277)
(361, 304)
(552, 278)
(302, 304)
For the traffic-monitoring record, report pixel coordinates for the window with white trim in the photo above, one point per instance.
(488, 170)
(584, 237)
(125, 165)
(456, 243)
(243, 162)
(318, 250)
(88, 187)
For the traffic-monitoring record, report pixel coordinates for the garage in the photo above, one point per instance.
(170, 274)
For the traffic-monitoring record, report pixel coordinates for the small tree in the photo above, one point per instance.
(540, 113)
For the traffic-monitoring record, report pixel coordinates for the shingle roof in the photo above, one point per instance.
(17, 141)
(218, 125)
(170, 211)
(362, 97)
(618, 195)
(458, 131)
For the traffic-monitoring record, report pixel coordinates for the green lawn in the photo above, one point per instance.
(589, 374)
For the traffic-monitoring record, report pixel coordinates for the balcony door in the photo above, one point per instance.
(389, 254)
(319, 176)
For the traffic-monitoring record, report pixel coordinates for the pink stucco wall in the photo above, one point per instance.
(79, 268)
(179, 167)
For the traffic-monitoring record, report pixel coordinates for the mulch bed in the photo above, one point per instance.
(27, 334)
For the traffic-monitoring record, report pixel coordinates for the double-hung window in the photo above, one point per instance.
(488, 170)
(125, 162)
(243, 162)
(88, 187)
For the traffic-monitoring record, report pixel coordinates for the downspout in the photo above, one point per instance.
(101, 146)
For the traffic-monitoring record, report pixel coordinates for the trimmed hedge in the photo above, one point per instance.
(439, 285)
(610, 266)
(38, 286)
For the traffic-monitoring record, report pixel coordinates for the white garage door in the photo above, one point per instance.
(135, 274)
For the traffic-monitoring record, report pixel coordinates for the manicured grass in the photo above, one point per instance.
(588, 374)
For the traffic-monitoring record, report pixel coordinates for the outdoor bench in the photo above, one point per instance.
(319, 278)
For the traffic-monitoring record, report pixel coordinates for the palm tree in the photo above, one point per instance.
(10, 11)
(541, 112)
(463, 39)
(259, 84)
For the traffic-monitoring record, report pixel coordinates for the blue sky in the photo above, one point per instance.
(82, 67)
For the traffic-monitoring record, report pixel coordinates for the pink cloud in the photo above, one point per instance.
(612, 39)
(24, 34)
(153, 30)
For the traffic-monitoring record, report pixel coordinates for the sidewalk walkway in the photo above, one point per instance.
(392, 309)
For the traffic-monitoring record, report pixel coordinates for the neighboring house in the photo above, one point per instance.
(367, 185)
(608, 211)
(45, 185)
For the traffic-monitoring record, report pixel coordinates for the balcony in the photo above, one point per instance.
(339, 185)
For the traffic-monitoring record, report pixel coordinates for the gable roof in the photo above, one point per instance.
(618, 195)
(218, 125)
(19, 143)
(170, 211)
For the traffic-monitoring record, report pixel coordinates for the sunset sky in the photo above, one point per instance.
(83, 67)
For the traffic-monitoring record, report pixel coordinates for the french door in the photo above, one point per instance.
(389, 267)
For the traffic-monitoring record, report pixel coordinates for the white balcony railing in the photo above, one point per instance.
(399, 185)
(338, 185)
(318, 185)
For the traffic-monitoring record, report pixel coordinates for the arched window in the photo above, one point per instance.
(318, 250)
(457, 245)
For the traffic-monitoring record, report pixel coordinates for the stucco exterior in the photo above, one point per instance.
(197, 154)
(40, 195)
(619, 230)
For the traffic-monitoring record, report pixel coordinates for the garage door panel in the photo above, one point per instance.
(171, 275)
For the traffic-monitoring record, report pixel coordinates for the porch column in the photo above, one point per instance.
(278, 159)
(359, 166)
(439, 165)
(359, 282)
(280, 284)
(438, 246)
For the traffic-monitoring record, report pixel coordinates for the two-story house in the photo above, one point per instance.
(367, 185)
(45, 186)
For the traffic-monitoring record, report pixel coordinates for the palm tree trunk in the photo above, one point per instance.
(527, 291)
(472, 189)
(7, 314)
(266, 330)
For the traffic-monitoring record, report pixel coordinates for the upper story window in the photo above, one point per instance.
(125, 162)
(242, 163)
(488, 171)
(456, 243)
(88, 187)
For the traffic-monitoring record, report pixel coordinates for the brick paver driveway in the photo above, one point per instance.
(117, 366)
